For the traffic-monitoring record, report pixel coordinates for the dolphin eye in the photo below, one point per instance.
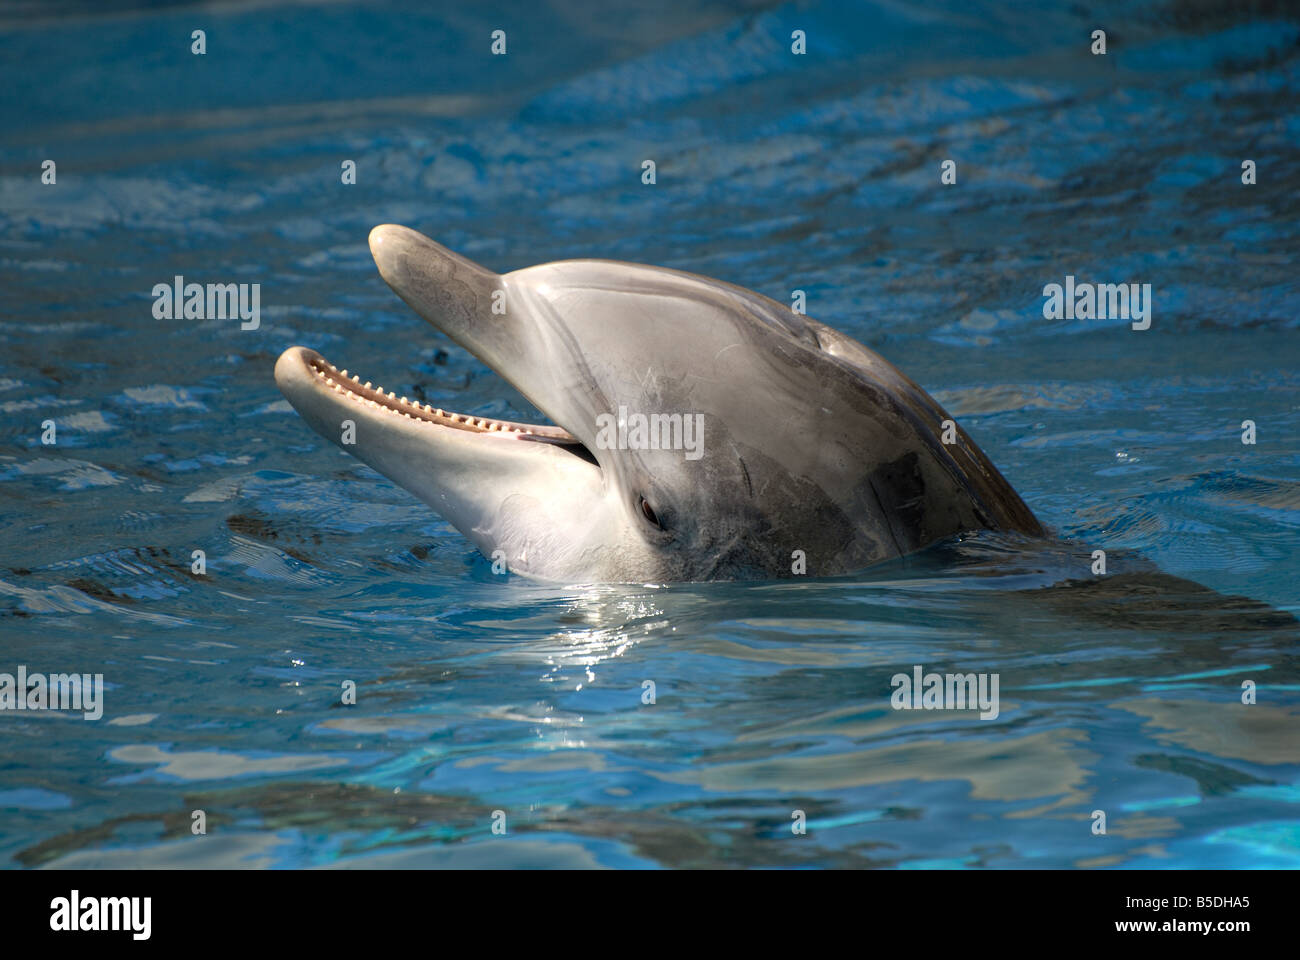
(648, 512)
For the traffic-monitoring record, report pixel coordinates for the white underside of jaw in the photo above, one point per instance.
(368, 395)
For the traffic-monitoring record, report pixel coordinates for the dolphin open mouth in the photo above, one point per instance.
(460, 298)
(351, 388)
(480, 473)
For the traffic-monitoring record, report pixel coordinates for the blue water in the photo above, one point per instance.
(478, 693)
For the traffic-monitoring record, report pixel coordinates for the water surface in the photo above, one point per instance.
(478, 693)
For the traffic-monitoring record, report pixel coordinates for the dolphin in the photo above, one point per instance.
(699, 431)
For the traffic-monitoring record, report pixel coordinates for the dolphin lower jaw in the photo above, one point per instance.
(514, 489)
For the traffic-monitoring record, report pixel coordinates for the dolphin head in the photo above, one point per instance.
(699, 430)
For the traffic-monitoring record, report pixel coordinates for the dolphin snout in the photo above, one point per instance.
(441, 285)
(451, 292)
(385, 238)
(398, 252)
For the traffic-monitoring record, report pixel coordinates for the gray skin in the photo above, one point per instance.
(811, 442)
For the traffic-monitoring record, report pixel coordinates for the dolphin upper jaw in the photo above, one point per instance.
(508, 322)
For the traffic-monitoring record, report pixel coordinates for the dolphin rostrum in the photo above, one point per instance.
(702, 431)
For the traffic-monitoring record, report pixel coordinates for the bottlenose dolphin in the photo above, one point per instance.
(813, 455)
